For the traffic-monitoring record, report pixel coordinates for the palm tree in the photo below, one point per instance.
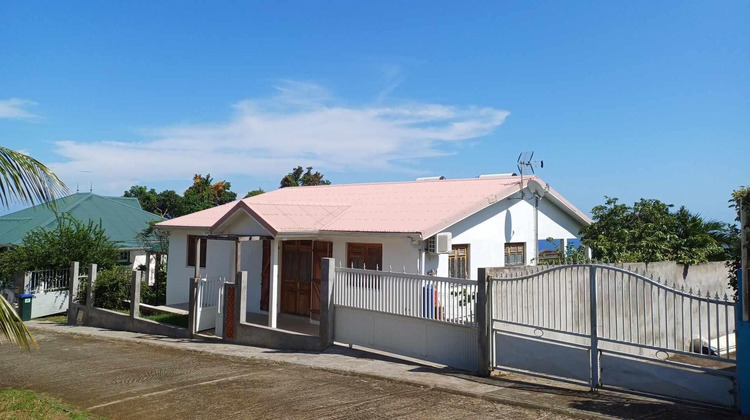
(24, 180)
(696, 239)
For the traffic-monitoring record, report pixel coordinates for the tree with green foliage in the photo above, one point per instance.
(166, 204)
(649, 231)
(25, 180)
(253, 193)
(740, 201)
(301, 178)
(203, 194)
(696, 240)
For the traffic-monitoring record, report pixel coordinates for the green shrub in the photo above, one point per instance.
(157, 294)
(112, 288)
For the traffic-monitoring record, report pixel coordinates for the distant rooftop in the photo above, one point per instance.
(122, 218)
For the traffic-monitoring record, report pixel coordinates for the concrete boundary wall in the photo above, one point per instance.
(87, 314)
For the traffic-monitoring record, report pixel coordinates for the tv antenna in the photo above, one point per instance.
(526, 164)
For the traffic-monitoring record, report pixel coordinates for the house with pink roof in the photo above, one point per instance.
(437, 226)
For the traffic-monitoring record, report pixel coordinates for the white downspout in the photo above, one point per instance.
(536, 230)
(422, 257)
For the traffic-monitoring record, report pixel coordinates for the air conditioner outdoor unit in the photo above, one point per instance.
(443, 243)
(440, 243)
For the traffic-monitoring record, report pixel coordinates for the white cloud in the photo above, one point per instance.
(15, 109)
(300, 125)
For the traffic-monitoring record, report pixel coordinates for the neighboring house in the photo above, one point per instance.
(121, 217)
(448, 228)
(548, 255)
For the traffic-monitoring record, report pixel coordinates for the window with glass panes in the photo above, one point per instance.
(458, 262)
(515, 253)
(369, 256)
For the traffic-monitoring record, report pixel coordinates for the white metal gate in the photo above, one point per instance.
(611, 328)
(209, 304)
(50, 289)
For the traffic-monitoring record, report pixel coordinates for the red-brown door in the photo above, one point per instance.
(321, 250)
(296, 276)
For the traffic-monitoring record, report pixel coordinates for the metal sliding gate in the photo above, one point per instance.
(610, 328)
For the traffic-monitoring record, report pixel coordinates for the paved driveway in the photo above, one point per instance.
(124, 380)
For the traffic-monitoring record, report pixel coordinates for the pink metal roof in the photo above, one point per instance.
(420, 207)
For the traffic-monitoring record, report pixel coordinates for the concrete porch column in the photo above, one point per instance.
(237, 260)
(275, 286)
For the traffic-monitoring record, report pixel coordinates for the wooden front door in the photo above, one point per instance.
(320, 250)
(296, 277)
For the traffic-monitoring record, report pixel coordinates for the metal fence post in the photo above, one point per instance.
(594, 337)
(483, 323)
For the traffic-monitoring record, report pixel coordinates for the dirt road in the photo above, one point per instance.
(123, 380)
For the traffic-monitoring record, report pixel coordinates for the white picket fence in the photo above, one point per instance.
(426, 317)
(428, 297)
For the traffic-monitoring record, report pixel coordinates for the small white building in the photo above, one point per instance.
(448, 228)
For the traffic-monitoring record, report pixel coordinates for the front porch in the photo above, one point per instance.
(283, 278)
(258, 302)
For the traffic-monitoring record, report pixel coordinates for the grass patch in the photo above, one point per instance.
(172, 319)
(22, 404)
(62, 319)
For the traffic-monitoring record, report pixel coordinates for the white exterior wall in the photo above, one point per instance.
(219, 259)
(510, 220)
(398, 253)
(252, 258)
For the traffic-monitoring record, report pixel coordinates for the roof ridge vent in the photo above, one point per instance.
(431, 178)
(503, 175)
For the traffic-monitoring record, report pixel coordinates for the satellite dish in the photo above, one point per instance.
(536, 188)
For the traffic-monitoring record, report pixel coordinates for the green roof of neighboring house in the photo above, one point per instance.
(122, 218)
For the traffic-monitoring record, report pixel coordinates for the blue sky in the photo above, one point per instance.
(631, 99)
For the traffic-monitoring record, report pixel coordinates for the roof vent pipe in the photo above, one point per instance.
(431, 178)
